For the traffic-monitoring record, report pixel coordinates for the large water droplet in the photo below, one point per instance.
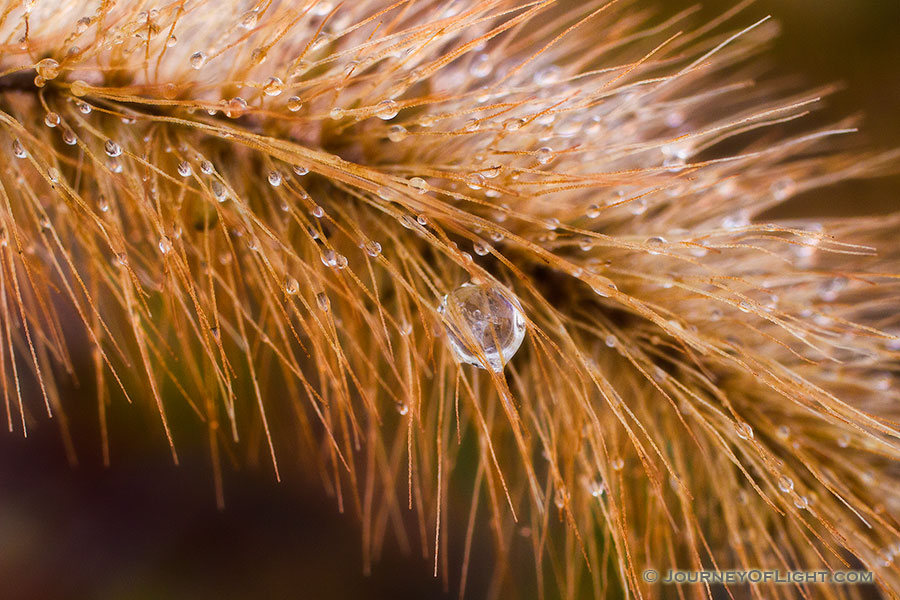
(485, 326)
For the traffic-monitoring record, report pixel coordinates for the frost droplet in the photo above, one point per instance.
(485, 326)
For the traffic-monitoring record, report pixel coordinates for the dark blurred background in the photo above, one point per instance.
(143, 528)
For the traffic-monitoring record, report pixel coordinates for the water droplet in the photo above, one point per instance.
(743, 430)
(206, 167)
(397, 133)
(219, 190)
(483, 324)
(801, 502)
(544, 155)
(418, 184)
(198, 59)
(843, 441)
(84, 108)
(18, 149)
(68, 137)
(274, 178)
(610, 341)
(300, 171)
(79, 88)
(235, 107)
(323, 301)
(596, 488)
(249, 19)
(52, 119)
(317, 211)
(655, 243)
(475, 181)
(112, 148)
(274, 86)
(294, 104)
(547, 76)
(184, 169)
(165, 245)
(372, 248)
(481, 66)
(513, 123)
(618, 464)
(82, 24)
(171, 41)
(291, 286)
(336, 113)
(481, 249)
(386, 110)
(47, 68)
(785, 484)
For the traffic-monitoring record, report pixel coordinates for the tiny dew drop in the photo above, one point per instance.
(274, 86)
(274, 178)
(485, 326)
(112, 148)
(68, 137)
(785, 484)
(18, 149)
(481, 249)
(372, 248)
(52, 119)
(249, 19)
(317, 211)
(165, 245)
(418, 184)
(475, 181)
(79, 88)
(544, 155)
(386, 110)
(198, 59)
(323, 301)
(206, 167)
(617, 464)
(300, 171)
(294, 104)
(184, 169)
(743, 430)
(397, 133)
(47, 68)
(291, 286)
(801, 502)
(84, 108)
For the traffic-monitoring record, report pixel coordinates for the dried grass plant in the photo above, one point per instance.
(255, 210)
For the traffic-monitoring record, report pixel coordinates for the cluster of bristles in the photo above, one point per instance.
(254, 210)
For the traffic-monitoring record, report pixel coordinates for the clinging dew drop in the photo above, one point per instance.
(483, 323)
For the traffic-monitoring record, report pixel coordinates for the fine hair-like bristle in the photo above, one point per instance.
(256, 210)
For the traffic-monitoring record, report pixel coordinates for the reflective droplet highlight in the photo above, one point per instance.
(484, 325)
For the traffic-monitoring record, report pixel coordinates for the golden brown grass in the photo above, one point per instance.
(256, 209)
